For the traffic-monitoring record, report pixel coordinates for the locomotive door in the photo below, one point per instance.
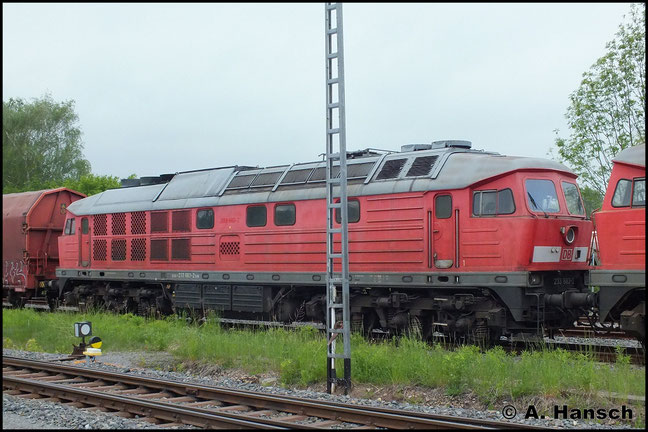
(84, 243)
(443, 232)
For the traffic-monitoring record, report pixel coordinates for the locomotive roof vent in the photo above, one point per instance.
(146, 181)
(415, 147)
(130, 182)
(451, 143)
(366, 153)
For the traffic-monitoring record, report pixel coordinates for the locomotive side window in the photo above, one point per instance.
(353, 212)
(285, 214)
(443, 206)
(205, 219)
(485, 203)
(574, 203)
(542, 196)
(505, 202)
(491, 203)
(639, 192)
(621, 197)
(85, 227)
(256, 216)
(625, 189)
(69, 227)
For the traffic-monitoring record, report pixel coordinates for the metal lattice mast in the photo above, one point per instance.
(336, 137)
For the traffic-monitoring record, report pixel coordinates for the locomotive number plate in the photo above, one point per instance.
(563, 281)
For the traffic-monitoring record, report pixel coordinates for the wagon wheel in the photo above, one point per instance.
(53, 303)
(15, 300)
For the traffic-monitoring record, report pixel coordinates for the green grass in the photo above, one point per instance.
(299, 356)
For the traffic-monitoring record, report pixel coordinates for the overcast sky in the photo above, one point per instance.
(162, 88)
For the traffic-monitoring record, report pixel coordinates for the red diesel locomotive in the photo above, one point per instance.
(31, 225)
(464, 242)
(621, 233)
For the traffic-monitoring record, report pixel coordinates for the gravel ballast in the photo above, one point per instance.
(156, 365)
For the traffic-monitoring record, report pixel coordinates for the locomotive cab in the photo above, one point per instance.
(620, 224)
(530, 225)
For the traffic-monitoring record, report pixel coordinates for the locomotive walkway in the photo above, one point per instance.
(171, 403)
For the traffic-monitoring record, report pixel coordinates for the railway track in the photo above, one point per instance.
(168, 403)
(602, 353)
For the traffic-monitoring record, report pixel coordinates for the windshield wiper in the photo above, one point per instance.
(537, 206)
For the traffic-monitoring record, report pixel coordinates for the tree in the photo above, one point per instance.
(607, 112)
(592, 199)
(41, 144)
(91, 184)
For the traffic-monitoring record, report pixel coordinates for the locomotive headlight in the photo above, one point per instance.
(569, 234)
(535, 279)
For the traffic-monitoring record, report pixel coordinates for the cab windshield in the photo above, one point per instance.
(572, 198)
(541, 196)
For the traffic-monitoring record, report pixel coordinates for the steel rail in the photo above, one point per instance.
(372, 416)
(602, 353)
(159, 410)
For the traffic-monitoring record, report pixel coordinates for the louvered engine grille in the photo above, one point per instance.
(422, 166)
(391, 169)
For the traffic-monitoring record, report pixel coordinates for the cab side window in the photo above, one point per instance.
(639, 193)
(621, 197)
(493, 203)
(69, 227)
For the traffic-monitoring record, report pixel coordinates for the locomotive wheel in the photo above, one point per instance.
(415, 329)
(479, 336)
(369, 321)
(90, 304)
(163, 306)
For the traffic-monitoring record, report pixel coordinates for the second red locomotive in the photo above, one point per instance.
(621, 233)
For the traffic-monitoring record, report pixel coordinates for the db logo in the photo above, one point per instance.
(566, 254)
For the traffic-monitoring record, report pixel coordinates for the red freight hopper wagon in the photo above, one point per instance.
(466, 242)
(31, 225)
(621, 233)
